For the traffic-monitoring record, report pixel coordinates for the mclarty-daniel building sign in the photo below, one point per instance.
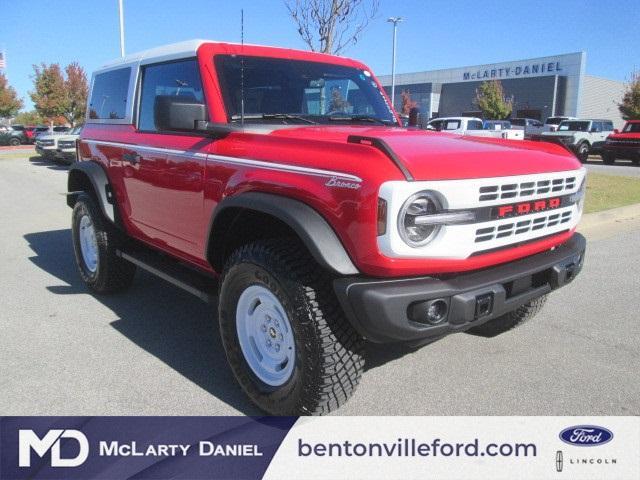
(514, 71)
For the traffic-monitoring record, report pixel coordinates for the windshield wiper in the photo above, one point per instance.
(358, 118)
(274, 116)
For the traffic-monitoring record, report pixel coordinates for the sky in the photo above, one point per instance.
(435, 34)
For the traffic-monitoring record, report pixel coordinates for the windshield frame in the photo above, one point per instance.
(371, 92)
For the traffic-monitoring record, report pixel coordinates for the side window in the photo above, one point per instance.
(474, 125)
(452, 125)
(177, 78)
(607, 126)
(597, 126)
(109, 95)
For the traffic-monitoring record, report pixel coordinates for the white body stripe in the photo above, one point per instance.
(233, 160)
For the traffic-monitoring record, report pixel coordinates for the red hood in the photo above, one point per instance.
(441, 156)
(625, 136)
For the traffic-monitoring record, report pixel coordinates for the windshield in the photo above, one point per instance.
(631, 128)
(293, 91)
(573, 126)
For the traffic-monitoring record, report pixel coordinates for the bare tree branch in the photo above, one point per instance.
(330, 26)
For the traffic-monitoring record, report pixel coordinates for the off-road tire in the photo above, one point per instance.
(608, 158)
(582, 151)
(14, 142)
(510, 320)
(328, 352)
(113, 274)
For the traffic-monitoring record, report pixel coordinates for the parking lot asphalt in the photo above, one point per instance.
(155, 350)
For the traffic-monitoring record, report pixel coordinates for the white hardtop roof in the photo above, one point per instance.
(166, 52)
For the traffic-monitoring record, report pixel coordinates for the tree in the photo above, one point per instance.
(28, 118)
(630, 105)
(407, 102)
(76, 89)
(49, 95)
(9, 101)
(329, 26)
(491, 100)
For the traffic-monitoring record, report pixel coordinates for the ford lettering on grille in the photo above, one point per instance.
(524, 208)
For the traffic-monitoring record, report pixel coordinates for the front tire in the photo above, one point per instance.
(95, 242)
(608, 158)
(510, 320)
(14, 142)
(583, 152)
(274, 298)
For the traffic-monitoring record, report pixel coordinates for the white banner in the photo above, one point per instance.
(463, 448)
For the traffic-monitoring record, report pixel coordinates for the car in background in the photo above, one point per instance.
(583, 137)
(46, 145)
(455, 124)
(66, 151)
(57, 130)
(551, 123)
(31, 132)
(530, 126)
(471, 126)
(624, 144)
(14, 136)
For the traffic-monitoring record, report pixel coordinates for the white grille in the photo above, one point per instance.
(526, 189)
(463, 240)
(522, 226)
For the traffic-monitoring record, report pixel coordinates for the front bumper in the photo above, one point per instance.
(623, 151)
(385, 311)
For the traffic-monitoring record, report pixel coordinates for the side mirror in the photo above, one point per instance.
(414, 117)
(178, 112)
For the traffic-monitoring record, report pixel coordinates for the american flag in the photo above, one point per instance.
(3, 64)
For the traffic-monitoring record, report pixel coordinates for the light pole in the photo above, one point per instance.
(395, 21)
(121, 28)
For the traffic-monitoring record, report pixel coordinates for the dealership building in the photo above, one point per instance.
(540, 88)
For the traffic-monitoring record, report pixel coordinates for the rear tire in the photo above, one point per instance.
(95, 242)
(583, 152)
(324, 360)
(608, 158)
(14, 142)
(510, 320)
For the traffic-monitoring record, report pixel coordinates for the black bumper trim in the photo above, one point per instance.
(378, 309)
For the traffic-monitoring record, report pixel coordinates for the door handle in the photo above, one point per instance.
(132, 158)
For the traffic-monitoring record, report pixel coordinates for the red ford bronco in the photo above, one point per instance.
(281, 185)
(624, 144)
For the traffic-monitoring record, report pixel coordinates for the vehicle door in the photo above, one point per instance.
(166, 169)
(597, 135)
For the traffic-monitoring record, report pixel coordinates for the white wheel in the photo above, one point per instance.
(88, 243)
(265, 335)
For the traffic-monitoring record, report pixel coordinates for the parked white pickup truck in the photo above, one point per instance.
(472, 126)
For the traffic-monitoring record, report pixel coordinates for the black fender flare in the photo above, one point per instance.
(311, 227)
(100, 183)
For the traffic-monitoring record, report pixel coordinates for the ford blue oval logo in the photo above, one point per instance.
(586, 435)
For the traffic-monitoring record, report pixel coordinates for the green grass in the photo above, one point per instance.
(609, 191)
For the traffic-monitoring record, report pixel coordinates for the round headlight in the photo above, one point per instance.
(413, 233)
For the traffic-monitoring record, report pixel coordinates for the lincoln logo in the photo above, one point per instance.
(527, 207)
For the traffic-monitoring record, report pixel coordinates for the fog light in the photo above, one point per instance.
(437, 312)
(433, 312)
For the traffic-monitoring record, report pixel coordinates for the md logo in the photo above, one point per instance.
(28, 440)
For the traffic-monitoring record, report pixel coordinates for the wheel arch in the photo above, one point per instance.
(252, 215)
(91, 177)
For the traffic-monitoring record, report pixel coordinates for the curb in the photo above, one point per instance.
(596, 220)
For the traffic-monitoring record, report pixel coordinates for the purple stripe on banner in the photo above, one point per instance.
(139, 447)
